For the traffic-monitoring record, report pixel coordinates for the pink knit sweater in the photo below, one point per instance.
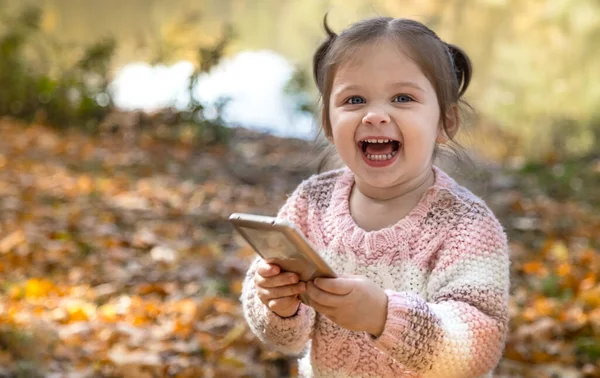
(444, 268)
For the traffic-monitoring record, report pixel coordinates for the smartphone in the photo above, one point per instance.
(278, 242)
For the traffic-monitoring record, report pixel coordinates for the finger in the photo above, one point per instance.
(322, 297)
(267, 270)
(281, 292)
(338, 286)
(283, 304)
(282, 279)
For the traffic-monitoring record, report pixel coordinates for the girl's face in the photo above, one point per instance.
(384, 116)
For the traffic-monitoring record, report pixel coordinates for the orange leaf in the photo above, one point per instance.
(150, 288)
(588, 282)
(563, 269)
(138, 320)
(539, 356)
(544, 306)
(182, 329)
(534, 267)
(236, 286)
(591, 297)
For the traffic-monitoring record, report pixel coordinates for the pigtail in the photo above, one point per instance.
(320, 54)
(462, 67)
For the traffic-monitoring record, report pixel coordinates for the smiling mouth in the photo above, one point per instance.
(379, 149)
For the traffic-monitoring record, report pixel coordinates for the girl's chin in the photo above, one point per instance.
(378, 178)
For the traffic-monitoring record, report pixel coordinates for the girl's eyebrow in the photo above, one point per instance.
(354, 87)
(346, 88)
(407, 84)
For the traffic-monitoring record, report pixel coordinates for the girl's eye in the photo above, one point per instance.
(403, 98)
(355, 100)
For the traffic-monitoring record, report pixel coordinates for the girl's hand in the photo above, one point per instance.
(353, 302)
(278, 291)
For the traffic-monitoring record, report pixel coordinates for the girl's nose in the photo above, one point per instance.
(376, 117)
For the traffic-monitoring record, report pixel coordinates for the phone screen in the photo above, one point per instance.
(275, 248)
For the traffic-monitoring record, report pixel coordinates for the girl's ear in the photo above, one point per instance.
(452, 124)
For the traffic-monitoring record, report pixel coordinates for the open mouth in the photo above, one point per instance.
(379, 149)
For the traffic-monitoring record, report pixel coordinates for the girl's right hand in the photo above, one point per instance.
(278, 291)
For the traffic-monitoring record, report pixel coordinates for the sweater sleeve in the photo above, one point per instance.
(460, 332)
(287, 335)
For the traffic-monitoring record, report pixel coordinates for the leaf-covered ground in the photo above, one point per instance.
(117, 260)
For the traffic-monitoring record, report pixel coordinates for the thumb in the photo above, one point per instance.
(341, 286)
(268, 270)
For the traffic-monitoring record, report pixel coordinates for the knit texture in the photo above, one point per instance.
(444, 268)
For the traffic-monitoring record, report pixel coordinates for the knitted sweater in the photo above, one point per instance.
(444, 268)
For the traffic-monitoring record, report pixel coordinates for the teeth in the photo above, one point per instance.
(377, 140)
(382, 157)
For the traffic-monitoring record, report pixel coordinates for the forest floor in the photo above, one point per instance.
(117, 259)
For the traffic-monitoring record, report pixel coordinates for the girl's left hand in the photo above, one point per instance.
(353, 302)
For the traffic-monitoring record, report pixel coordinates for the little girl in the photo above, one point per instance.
(423, 264)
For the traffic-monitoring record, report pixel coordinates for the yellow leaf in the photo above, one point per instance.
(80, 311)
(78, 315)
(38, 288)
(108, 313)
(559, 251)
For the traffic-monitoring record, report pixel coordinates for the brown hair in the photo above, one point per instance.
(447, 66)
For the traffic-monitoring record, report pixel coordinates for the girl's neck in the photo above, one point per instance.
(377, 208)
(406, 191)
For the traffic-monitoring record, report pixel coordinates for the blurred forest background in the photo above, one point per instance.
(131, 129)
